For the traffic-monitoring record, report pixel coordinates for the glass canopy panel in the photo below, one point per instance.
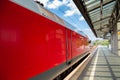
(95, 13)
(109, 4)
(93, 5)
(97, 27)
(95, 18)
(95, 10)
(89, 2)
(99, 21)
(105, 23)
(102, 21)
(107, 9)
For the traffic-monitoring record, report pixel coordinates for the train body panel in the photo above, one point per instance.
(31, 44)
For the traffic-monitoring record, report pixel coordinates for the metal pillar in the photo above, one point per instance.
(118, 36)
(115, 29)
(114, 40)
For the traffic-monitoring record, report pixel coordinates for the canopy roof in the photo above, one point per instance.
(97, 14)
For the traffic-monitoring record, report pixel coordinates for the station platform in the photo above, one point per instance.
(103, 66)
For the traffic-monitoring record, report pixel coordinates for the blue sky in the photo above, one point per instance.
(67, 10)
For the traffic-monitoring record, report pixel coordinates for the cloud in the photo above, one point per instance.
(72, 9)
(65, 1)
(54, 4)
(81, 18)
(69, 13)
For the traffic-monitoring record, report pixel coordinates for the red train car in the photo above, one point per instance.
(36, 44)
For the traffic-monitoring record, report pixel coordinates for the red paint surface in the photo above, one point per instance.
(69, 44)
(31, 44)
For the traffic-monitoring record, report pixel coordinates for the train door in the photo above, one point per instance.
(68, 46)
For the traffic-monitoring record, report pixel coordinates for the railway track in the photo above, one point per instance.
(78, 69)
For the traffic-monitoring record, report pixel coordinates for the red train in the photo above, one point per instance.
(36, 44)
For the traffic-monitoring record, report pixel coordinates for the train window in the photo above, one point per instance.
(28, 4)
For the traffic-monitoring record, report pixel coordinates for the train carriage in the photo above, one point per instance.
(36, 44)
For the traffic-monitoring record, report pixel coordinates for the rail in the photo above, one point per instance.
(73, 72)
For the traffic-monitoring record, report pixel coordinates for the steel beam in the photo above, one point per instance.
(107, 2)
(80, 5)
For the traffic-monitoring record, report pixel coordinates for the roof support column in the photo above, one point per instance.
(118, 36)
(114, 41)
(115, 30)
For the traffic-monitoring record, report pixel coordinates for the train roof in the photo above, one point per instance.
(39, 9)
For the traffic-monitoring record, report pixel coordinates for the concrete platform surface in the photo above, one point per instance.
(104, 66)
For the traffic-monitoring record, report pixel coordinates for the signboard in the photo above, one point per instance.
(118, 32)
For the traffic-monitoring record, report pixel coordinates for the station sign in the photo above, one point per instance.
(118, 32)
